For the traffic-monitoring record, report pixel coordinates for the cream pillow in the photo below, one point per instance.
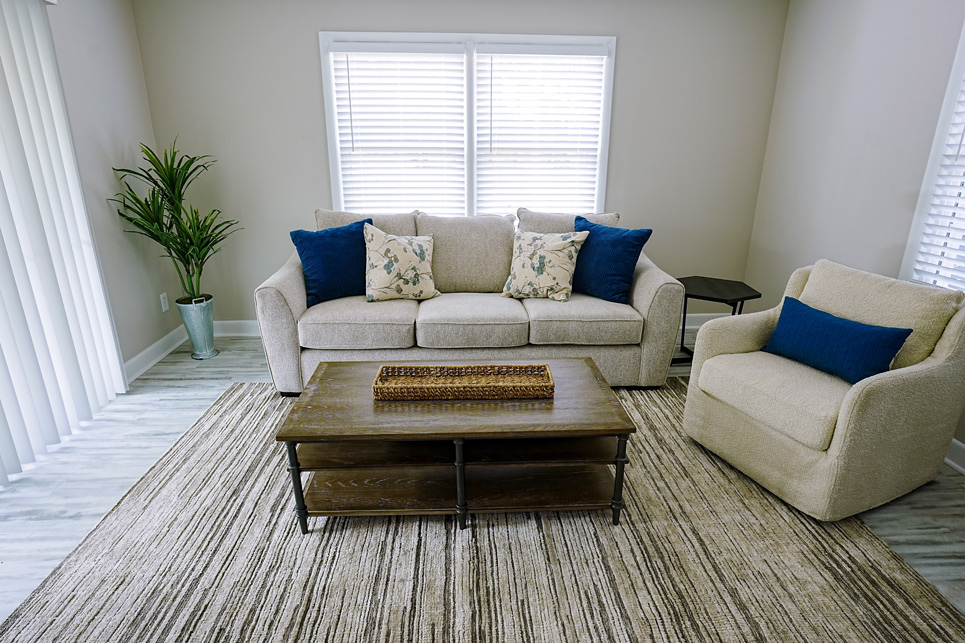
(397, 267)
(882, 301)
(543, 265)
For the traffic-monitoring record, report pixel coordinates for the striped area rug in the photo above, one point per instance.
(205, 547)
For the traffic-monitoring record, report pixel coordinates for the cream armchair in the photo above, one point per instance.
(823, 445)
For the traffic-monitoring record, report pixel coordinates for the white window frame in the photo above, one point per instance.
(469, 44)
(907, 271)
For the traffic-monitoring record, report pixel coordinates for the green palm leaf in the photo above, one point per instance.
(188, 238)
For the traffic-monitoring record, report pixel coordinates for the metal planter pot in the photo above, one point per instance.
(198, 317)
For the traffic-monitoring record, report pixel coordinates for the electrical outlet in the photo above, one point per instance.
(164, 302)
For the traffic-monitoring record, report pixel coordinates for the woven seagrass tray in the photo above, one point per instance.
(477, 382)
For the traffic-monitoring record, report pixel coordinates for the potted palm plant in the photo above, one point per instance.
(188, 238)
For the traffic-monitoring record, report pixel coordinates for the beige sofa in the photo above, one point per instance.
(828, 447)
(632, 345)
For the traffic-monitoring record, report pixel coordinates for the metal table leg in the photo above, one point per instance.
(617, 504)
(683, 331)
(462, 509)
(300, 509)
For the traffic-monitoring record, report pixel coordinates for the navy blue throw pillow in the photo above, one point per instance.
(848, 349)
(604, 266)
(333, 261)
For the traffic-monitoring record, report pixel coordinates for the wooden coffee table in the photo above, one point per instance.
(372, 457)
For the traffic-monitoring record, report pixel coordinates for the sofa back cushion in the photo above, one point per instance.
(397, 224)
(530, 221)
(469, 254)
(872, 299)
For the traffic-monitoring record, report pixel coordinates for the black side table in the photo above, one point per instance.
(724, 291)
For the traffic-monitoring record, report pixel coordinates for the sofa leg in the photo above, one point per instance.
(289, 394)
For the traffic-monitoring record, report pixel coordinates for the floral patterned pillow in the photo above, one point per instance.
(543, 265)
(397, 267)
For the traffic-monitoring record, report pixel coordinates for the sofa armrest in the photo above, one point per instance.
(279, 302)
(733, 334)
(659, 298)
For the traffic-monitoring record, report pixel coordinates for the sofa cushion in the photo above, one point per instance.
(872, 299)
(607, 260)
(530, 221)
(849, 349)
(352, 322)
(471, 320)
(582, 320)
(399, 224)
(469, 254)
(333, 261)
(397, 267)
(543, 265)
(793, 399)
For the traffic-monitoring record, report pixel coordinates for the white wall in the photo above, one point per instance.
(100, 67)
(858, 97)
(694, 83)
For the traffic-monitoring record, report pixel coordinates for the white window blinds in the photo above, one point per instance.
(467, 124)
(538, 129)
(400, 122)
(936, 249)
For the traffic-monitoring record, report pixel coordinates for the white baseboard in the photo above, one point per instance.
(137, 365)
(696, 320)
(955, 458)
(237, 328)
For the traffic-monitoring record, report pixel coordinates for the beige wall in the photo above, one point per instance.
(694, 82)
(858, 97)
(100, 66)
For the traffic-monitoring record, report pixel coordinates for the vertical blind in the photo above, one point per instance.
(474, 129)
(59, 360)
(940, 255)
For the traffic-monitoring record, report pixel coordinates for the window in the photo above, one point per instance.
(936, 248)
(467, 124)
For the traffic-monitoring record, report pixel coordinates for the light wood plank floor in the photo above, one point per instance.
(46, 511)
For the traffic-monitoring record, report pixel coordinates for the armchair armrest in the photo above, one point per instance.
(734, 334)
(279, 302)
(878, 414)
(659, 298)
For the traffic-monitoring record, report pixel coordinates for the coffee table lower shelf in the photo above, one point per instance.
(432, 490)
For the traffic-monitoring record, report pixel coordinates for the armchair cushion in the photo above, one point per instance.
(851, 350)
(873, 299)
(607, 259)
(333, 261)
(791, 398)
